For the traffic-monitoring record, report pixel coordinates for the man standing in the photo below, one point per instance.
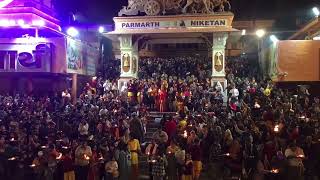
(136, 127)
(234, 92)
(83, 154)
(83, 129)
(160, 136)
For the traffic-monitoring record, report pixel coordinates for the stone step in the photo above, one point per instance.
(152, 125)
(152, 129)
(142, 177)
(149, 134)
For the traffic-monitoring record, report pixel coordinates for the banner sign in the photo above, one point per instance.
(35, 57)
(81, 58)
(171, 24)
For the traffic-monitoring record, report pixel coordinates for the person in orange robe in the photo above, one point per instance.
(162, 99)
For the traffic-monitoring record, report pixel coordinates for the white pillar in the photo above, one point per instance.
(218, 61)
(129, 59)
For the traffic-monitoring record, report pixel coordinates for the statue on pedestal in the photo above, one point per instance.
(156, 7)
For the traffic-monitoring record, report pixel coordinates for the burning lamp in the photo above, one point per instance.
(274, 171)
(185, 134)
(12, 158)
(86, 157)
(276, 128)
(59, 156)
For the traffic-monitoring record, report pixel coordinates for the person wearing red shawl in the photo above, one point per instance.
(171, 128)
(162, 98)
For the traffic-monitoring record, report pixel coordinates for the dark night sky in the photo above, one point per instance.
(102, 11)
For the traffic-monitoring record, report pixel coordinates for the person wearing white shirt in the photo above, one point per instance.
(107, 86)
(234, 92)
(103, 111)
(83, 128)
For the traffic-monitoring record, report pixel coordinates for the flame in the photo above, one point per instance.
(86, 157)
(12, 158)
(185, 134)
(300, 156)
(59, 156)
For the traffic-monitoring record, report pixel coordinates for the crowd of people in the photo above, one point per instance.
(262, 132)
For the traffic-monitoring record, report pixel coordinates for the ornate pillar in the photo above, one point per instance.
(129, 59)
(74, 88)
(218, 61)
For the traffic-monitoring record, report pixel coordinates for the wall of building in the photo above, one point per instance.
(299, 60)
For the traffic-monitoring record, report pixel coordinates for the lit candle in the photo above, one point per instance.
(32, 165)
(12, 158)
(59, 156)
(227, 154)
(185, 134)
(275, 171)
(276, 128)
(12, 139)
(86, 157)
(300, 156)
(44, 147)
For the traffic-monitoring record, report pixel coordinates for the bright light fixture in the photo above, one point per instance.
(243, 32)
(316, 11)
(274, 39)
(72, 32)
(5, 3)
(39, 23)
(21, 22)
(4, 22)
(316, 38)
(101, 29)
(260, 33)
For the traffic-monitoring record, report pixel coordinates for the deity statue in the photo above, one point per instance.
(134, 65)
(157, 7)
(126, 62)
(218, 61)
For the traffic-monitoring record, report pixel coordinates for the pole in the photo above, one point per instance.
(74, 88)
(36, 33)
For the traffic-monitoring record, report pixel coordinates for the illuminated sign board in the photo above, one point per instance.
(5, 3)
(26, 58)
(172, 24)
